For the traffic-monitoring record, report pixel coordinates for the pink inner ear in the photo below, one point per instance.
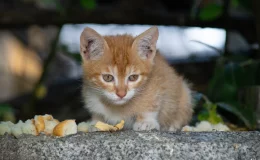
(90, 42)
(146, 51)
(86, 51)
(149, 52)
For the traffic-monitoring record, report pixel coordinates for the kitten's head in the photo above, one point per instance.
(116, 67)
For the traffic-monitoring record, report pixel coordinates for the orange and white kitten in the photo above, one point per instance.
(125, 78)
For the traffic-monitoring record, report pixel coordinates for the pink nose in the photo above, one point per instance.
(121, 93)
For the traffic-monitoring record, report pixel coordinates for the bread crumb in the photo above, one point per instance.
(83, 127)
(206, 126)
(29, 128)
(65, 128)
(16, 130)
(50, 125)
(39, 123)
(105, 127)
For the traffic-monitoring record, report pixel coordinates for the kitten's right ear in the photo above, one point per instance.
(145, 43)
(92, 44)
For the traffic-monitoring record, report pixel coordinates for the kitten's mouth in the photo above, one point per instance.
(120, 101)
(116, 100)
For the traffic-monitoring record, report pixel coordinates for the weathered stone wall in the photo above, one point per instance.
(134, 145)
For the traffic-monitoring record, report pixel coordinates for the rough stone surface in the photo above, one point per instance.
(134, 145)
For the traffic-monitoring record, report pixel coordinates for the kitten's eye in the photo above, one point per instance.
(133, 77)
(108, 77)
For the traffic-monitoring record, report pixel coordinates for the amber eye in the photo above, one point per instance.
(133, 77)
(108, 77)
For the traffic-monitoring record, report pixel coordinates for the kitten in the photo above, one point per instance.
(126, 78)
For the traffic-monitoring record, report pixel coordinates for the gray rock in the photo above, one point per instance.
(134, 145)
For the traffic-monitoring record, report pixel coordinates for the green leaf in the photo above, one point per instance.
(88, 4)
(6, 113)
(203, 116)
(210, 12)
(210, 114)
(246, 114)
(5, 108)
(214, 118)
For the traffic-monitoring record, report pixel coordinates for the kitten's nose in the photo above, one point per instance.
(121, 93)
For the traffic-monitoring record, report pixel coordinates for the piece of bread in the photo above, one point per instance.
(50, 125)
(104, 126)
(5, 127)
(220, 127)
(16, 130)
(65, 128)
(205, 126)
(47, 117)
(39, 123)
(107, 127)
(120, 125)
(187, 129)
(29, 128)
(10, 124)
(83, 127)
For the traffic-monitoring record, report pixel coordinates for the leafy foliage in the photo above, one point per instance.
(213, 10)
(230, 76)
(88, 4)
(210, 12)
(246, 114)
(210, 114)
(6, 113)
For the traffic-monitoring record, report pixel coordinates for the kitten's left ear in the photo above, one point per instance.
(92, 44)
(145, 43)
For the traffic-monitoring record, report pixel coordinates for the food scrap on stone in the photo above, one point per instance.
(46, 124)
(106, 127)
(65, 128)
(205, 126)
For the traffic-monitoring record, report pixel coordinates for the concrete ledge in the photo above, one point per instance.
(134, 145)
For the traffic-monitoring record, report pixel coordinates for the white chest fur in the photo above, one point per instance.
(96, 106)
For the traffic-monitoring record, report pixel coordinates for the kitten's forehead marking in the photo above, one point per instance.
(114, 71)
(129, 71)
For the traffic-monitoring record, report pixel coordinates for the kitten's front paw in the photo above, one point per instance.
(93, 129)
(91, 126)
(148, 125)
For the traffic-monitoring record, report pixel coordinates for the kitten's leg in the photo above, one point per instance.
(174, 128)
(95, 118)
(146, 121)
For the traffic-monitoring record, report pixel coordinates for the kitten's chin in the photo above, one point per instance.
(119, 102)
